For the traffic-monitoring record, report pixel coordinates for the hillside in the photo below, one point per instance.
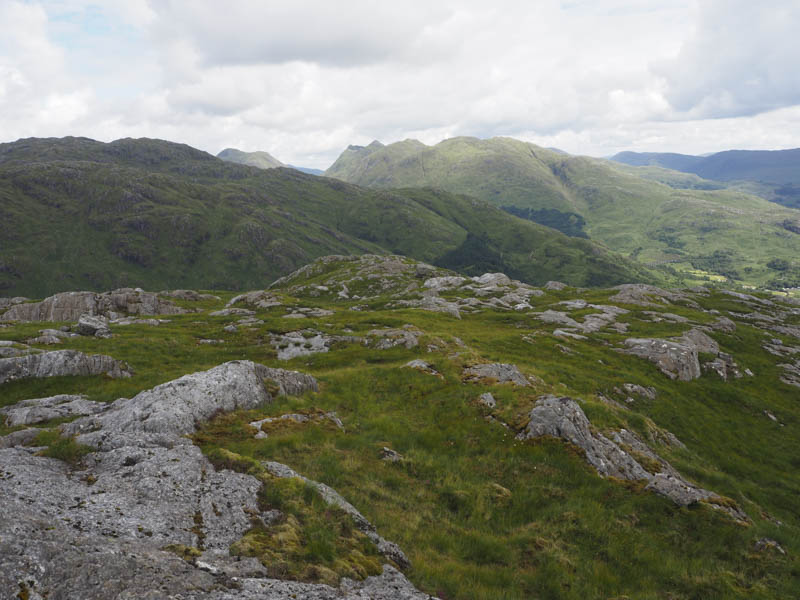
(260, 159)
(702, 234)
(401, 431)
(75, 213)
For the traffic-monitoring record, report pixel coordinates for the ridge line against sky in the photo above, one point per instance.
(303, 80)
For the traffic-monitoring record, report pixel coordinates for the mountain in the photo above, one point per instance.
(75, 213)
(701, 234)
(767, 166)
(374, 427)
(260, 159)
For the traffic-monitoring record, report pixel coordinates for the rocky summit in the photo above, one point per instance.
(377, 427)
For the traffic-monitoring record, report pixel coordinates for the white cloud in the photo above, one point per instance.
(304, 79)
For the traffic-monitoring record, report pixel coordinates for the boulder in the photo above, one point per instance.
(554, 285)
(488, 400)
(502, 373)
(93, 325)
(61, 362)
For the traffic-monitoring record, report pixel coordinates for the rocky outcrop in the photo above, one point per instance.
(649, 295)
(160, 416)
(563, 418)
(408, 337)
(113, 529)
(676, 359)
(259, 299)
(499, 372)
(389, 549)
(61, 362)
(69, 306)
(39, 410)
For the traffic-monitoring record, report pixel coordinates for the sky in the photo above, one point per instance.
(304, 79)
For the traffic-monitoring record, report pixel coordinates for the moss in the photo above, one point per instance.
(187, 553)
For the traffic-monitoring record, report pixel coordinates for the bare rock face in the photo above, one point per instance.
(69, 306)
(563, 418)
(61, 362)
(677, 360)
(39, 410)
(501, 372)
(260, 299)
(160, 416)
(649, 295)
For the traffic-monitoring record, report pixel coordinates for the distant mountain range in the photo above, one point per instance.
(81, 214)
(260, 159)
(767, 166)
(701, 231)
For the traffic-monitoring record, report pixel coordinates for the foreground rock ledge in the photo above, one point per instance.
(100, 532)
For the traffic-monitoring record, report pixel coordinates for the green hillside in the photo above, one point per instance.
(260, 159)
(480, 513)
(701, 234)
(78, 214)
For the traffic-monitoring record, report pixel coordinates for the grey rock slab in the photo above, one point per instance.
(646, 392)
(161, 415)
(554, 285)
(557, 317)
(649, 295)
(99, 532)
(61, 362)
(332, 497)
(563, 418)
(676, 360)
(227, 312)
(407, 336)
(24, 437)
(39, 410)
(563, 334)
(701, 341)
(724, 324)
(501, 372)
(421, 365)
(69, 306)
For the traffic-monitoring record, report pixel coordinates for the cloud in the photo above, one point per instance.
(305, 79)
(741, 60)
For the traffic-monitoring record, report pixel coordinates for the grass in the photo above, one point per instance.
(479, 514)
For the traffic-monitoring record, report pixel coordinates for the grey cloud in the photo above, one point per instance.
(741, 60)
(339, 34)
